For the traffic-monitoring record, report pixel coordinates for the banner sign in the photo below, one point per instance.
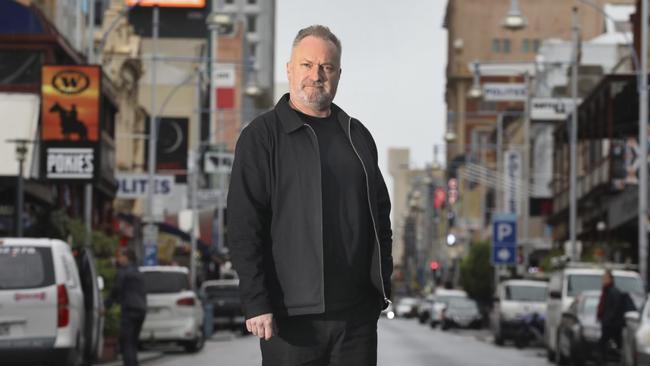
(167, 3)
(505, 92)
(551, 109)
(70, 122)
(135, 185)
(512, 178)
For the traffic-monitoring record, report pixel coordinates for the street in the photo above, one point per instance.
(401, 343)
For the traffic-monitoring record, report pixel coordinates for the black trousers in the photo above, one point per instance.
(314, 341)
(608, 333)
(130, 327)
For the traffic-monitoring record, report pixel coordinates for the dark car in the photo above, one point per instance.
(461, 313)
(223, 295)
(579, 330)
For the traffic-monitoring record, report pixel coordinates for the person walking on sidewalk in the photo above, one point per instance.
(308, 220)
(129, 292)
(611, 315)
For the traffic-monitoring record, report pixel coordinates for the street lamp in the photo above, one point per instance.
(514, 20)
(475, 91)
(21, 154)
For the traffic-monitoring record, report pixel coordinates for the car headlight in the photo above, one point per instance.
(390, 315)
(591, 333)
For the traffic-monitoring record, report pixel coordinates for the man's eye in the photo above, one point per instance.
(305, 65)
(328, 69)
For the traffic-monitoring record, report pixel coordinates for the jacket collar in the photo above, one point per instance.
(290, 120)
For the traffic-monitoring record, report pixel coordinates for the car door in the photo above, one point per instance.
(94, 322)
(28, 296)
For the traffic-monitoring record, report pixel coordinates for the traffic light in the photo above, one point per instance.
(434, 265)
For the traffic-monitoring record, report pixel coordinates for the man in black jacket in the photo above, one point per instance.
(611, 315)
(129, 292)
(308, 220)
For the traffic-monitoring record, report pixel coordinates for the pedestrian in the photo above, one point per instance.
(611, 315)
(308, 220)
(129, 292)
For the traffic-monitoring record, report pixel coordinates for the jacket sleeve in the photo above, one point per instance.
(116, 291)
(383, 226)
(249, 217)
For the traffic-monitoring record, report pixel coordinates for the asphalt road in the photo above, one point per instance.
(401, 343)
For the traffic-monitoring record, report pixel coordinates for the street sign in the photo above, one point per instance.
(551, 109)
(504, 240)
(505, 92)
(134, 185)
(150, 241)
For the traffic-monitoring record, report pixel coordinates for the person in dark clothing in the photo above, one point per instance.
(308, 220)
(129, 292)
(611, 316)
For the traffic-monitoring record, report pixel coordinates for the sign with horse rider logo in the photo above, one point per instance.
(70, 121)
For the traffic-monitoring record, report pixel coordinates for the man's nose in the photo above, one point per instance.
(315, 73)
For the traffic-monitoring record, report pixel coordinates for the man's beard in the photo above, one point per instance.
(320, 98)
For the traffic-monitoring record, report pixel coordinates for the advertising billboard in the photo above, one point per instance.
(70, 121)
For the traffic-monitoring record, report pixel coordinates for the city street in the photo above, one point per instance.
(401, 343)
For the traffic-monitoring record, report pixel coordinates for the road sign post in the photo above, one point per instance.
(504, 240)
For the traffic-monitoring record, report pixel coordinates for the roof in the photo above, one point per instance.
(35, 242)
(526, 283)
(233, 282)
(178, 269)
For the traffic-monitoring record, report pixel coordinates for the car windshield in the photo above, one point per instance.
(580, 283)
(221, 292)
(590, 306)
(444, 299)
(408, 301)
(462, 304)
(24, 267)
(165, 282)
(526, 293)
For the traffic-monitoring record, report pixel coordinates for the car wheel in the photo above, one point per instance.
(197, 344)
(423, 318)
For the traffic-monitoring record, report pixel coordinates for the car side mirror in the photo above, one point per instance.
(555, 295)
(100, 283)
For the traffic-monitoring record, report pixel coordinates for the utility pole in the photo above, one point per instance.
(643, 146)
(573, 201)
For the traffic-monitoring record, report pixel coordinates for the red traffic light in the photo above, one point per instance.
(434, 265)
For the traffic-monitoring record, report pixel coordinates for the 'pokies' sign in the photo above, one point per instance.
(70, 121)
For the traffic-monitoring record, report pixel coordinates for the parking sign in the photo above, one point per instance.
(504, 240)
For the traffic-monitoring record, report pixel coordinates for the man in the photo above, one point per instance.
(129, 292)
(610, 315)
(308, 220)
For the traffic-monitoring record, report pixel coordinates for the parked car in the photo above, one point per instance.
(635, 348)
(424, 310)
(50, 304)
(460, 312)
(174, 311)
(226, 304)
(567, 283)
(440, 298)
(513, 301)
(407, 307)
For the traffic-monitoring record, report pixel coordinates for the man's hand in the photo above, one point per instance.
(261, 326)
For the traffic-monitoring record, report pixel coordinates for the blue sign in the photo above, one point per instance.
(504, 240)
(150, 255)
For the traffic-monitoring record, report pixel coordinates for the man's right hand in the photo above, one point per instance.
(261, 326)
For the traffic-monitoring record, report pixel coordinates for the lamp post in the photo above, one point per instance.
(514, 20)
(21, 153)
(573, 200)
(643, 143)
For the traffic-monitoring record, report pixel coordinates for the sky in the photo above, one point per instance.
(394, 59)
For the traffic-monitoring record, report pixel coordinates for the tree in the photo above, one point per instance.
(476, 273)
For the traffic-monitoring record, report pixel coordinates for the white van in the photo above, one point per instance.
(441, 297)
(43, 316)
(567, 283)
(515, 299)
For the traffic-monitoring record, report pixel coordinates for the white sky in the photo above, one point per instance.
(394, 59)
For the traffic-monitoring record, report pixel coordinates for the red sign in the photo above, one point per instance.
(225, 98)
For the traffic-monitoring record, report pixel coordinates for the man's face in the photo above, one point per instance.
(313, 72)
(122, 260)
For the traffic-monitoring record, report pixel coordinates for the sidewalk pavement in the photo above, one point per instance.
(142, 357)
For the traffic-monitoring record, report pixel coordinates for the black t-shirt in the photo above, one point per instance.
(347, 225)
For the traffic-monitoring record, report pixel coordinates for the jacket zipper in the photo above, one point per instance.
(372, 216)
(322, 254)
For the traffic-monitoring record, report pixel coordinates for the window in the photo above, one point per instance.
(251, 21)
(526, 293)
(165, 282)
(252, 50)
(506, 45)
(252, 2)
(525, 46)
(536, 44)
(25, 267)
(496, 45)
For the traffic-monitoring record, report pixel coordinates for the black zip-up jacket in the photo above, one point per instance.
(128, 290)
(275, 213)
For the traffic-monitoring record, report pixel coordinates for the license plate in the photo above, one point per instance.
(154, 310)
(4, 329)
